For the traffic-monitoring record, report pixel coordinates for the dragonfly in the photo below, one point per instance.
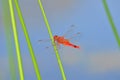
(62, 40)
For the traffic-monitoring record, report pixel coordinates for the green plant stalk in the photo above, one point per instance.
(21, 73)
(28, 40)
(52, 40)
(7, 25)
(111, 22)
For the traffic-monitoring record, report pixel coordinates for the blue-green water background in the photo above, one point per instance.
(99, 56)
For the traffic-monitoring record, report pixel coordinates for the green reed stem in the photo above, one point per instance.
(111, 22)
(52, 40)
(28, 40)
(7, 25)
(16, 40)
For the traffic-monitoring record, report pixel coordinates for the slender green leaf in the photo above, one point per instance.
(28, 40)
(52, 40)
(111, 22)
(16, 40)
(7, 25)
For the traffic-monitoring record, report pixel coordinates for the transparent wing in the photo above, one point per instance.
(72, 33)
(69, 31)
(75, 36)
(44, 40)
(47, 44)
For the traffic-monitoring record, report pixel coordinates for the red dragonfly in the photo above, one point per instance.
(61, 40)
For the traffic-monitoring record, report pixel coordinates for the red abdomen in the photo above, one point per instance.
(74, 46)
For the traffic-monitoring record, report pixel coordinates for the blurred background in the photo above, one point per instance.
(97, 59)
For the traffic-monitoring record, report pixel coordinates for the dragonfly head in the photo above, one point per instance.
(55, 37)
